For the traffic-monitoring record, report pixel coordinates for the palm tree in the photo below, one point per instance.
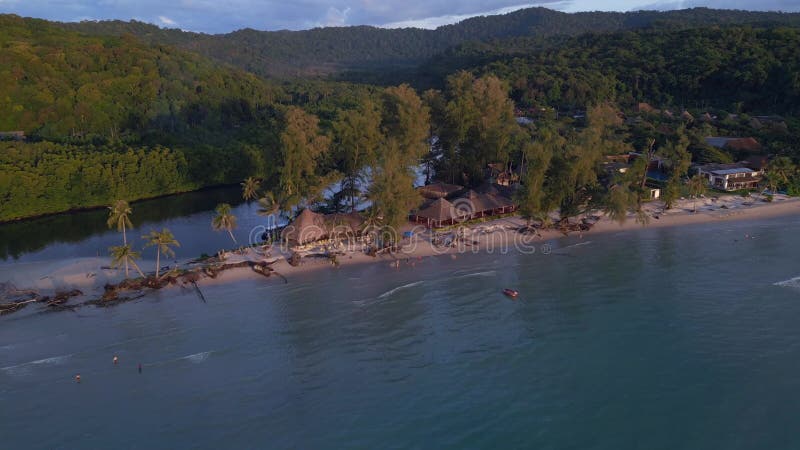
(779, 171)
(119, 216)
(267, 205)
(162, 240)
(697, 187)
(250, 189)
(224, 220)
(124, 255)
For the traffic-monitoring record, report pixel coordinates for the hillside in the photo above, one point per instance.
(326, 51)
(738, 68)
(111, 117)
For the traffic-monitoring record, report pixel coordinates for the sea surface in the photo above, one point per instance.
(679, 338)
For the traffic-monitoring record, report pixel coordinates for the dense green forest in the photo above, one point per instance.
(735, 67)
(131, 119)
(325, 51)
(127, 110)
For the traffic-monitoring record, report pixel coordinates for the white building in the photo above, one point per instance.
(731, 177)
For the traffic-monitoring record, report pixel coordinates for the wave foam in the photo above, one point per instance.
(400, 288)
(197, 357)
(478, 274)
(580, 244)
(791, 283)
(25, 367)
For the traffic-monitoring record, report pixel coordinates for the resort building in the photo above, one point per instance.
(440, 213)
(731, 177)
(486, 201)
(310, 227)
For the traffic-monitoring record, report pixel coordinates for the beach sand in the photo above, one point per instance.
(90, 275)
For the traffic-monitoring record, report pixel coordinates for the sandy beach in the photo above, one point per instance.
(90, 275)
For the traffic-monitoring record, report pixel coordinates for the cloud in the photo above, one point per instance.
(335, 17)
(435, 22)
(167, 21)
(222, 16)
(760, 5)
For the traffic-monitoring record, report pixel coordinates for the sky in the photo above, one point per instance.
(222, 16)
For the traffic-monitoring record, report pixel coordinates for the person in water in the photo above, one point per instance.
(140, 367)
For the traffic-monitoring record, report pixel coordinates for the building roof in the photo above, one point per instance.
(438, 190)
(733, 171)
(748, 143)
(478, 202)
(439, 210)
(349, 222)
(735, 143)
(308, 226)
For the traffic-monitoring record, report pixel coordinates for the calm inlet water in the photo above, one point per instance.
(660, 339)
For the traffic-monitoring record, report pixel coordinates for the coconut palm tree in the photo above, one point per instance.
(162, 240)
(119, 216)
(224, 220)
(124, 255)
(697, 187)
(250, 189)
(267, 205)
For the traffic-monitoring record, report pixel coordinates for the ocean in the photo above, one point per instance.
(658, 338)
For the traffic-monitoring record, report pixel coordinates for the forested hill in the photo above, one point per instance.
(111, 117)
(58, 83)
(326, 51)
(739, 68)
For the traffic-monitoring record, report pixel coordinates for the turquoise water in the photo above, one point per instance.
(660, 339)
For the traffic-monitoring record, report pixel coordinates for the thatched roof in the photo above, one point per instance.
(439, 210)
(307, 227)
(344, 223)
(438, 190)
(477, 202)
(687, 116)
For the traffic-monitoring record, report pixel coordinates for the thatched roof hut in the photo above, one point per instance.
(438, 214)
(307, 227)
(484, 204)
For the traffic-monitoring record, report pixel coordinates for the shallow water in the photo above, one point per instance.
(660, 339)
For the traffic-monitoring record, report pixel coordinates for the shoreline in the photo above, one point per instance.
(678, 217)
(89, 275)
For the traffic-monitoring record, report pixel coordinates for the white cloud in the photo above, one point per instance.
(431, 23)
(164, 20)
(335, 17)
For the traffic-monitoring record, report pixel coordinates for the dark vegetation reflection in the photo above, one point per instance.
(27, 236)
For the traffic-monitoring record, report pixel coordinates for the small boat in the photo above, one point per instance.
(510, 293)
